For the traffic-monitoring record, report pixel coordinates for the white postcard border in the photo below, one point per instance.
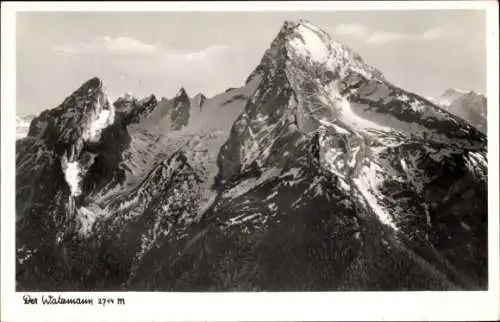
(346, 306)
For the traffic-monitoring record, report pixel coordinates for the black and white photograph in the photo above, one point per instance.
(251, 151)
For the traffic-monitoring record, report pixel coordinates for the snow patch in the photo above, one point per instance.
(367, 183)
(204, 206)
(403, 165)
(311, 46)
(273, 207)
(243, 218)
(105, 118)
(337, 128)
(22, 127)
(465, 226)
(97, 125)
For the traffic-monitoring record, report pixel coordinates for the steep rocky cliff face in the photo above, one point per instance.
(328, 177)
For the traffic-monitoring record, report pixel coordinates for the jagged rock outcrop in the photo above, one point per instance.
(387, 157)
(132, 110)
(170, 114)
(70, 151)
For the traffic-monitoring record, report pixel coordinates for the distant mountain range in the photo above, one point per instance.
(469, 105)
(318, 174)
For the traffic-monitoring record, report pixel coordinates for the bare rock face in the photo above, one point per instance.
(69, 151)
(181, 109)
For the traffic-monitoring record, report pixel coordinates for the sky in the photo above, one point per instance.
(423, 51)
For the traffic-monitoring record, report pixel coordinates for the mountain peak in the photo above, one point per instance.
(386, 190)
(289, 25)
(149, 98)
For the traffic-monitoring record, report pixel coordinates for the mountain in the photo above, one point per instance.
(470, 106)
(450, 95)
(318, 174)
(23, 125)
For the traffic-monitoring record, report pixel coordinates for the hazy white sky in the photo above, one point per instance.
(422, 51)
